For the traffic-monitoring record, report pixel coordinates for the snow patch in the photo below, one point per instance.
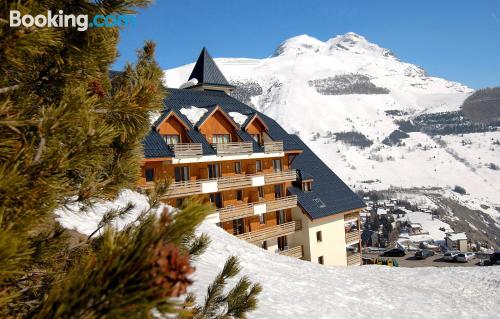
(85, 219)
(193, 113)
(238, 117)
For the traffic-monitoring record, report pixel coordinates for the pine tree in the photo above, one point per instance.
(69, 132)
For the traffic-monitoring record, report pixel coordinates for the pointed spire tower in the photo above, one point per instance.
(208, 75)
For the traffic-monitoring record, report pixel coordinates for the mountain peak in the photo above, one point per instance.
(301, 44)
(349, 42)
(357, 44)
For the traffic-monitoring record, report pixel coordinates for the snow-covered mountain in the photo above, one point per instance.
(347, 84)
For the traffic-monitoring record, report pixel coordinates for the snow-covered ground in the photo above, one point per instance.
(429, 224)
(299, 289)
(85, 219)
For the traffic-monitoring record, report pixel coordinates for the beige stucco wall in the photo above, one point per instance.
(332, 247)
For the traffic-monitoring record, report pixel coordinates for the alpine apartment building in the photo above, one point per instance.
(265, 186)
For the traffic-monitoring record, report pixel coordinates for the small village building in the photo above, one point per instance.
(456, 241)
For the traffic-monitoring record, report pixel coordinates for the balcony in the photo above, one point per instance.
(203, 186)
(354, 259)
(281, 177)
(185, 150)
(250, 209)
(352, 236)
(273, 147)
(260, 235)
(236, 148)
(295, 252)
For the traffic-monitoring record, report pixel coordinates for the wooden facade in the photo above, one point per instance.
(249, 194)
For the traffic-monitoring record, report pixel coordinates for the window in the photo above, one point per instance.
(282, 243)
(214, 171)
(237, 167)
(220, 138)
(258, 166)
(278, 191)
(319, 236)
(238, 226)
(280, 217)
(216, 199)
(319, 203)
(256, 138)
(172, 139)
(262, 219)
(306, 186)
(150, 174)
(260, 189)
(264, 245)
(320, 260)
(181, 173)
(277, 165)
(239, 195)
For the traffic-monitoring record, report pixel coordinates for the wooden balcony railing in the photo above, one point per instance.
(354, 259)
(236, 148)
(281, 177)
(293, 252)
(183, 150)
(232, 182)
(271, 232)
(247, 210)
(193, 187)
(273, 147)
(352, 236)
(185, 188)
(281, 203)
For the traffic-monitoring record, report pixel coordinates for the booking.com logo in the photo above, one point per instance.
(61, 20)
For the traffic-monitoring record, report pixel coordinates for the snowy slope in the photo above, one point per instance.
(299, 289)
(294, 86)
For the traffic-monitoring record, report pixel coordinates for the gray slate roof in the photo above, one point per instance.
(206, 71)
(327, 187)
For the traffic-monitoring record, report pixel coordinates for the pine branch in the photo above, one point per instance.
(9, 88)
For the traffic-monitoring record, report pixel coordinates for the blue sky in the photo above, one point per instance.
(455, 39)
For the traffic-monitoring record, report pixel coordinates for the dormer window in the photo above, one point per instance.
(306, 186)
(172, 139)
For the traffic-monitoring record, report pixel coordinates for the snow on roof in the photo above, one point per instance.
(381, 211)
(456, 236)
(421, 238)
(189, 83)
(416, 225)
(193, 113)
(238, 117)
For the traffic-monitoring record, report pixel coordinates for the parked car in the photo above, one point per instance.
(395, 252)
(465, 257)
(424, 253)
(451, 255)
(495, 258)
